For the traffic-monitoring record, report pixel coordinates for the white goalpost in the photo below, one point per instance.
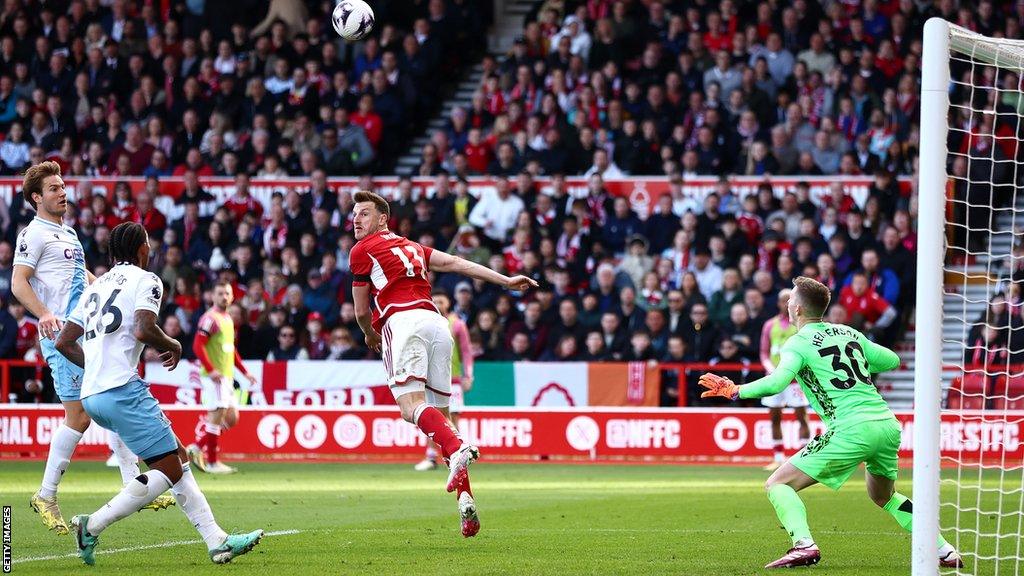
(969, 335)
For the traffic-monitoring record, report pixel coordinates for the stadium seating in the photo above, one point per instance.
(968, 392)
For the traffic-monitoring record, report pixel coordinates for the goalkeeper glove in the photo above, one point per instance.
(718, 386)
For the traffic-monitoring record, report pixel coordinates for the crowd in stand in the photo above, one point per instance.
(132, 88)
(597, 88)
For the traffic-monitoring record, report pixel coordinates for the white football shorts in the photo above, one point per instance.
(417, 350)
(791, 397)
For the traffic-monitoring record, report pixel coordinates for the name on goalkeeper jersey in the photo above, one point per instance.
(972, 436)
(819, 337)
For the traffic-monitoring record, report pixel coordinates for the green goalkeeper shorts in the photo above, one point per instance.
(832, 457)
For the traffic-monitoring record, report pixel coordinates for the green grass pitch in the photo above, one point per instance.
(537, 519)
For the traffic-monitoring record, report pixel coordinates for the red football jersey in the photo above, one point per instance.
(396, 270)
(870, 305)
(28, 335)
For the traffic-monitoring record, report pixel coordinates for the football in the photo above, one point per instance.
(352, 19)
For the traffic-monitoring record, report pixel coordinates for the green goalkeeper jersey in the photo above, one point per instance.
(833, 364)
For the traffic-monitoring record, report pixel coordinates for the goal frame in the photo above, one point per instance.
(935, 81)
(941, 39)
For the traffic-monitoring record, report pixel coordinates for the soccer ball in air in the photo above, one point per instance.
(352, 19)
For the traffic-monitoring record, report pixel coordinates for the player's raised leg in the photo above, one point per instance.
(128, 463)
(168, 470)
(880, 478)
(782, 487)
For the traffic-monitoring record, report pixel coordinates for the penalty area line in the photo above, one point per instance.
(138, 548)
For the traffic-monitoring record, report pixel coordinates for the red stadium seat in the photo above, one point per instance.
(1009, 393)
(967, 392)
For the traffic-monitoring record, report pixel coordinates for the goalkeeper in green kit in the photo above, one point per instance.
(833, 364)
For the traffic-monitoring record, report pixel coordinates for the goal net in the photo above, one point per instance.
(969, 370)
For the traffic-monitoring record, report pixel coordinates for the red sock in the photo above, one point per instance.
(436, 427)
(212, 437)
(201, 436)
(464, 487)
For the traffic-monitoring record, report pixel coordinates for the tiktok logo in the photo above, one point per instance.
(310, 432)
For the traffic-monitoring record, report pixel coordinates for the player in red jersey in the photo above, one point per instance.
(413, 338)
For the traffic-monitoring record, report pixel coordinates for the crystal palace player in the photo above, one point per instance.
(49, 277)
(413, 338)
(833, 364)
(214, 347)
(115, 319)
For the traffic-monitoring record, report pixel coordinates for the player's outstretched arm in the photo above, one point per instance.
(149, 333)
(789, 364)
(441, 262)
(880, 358)
(67, 343)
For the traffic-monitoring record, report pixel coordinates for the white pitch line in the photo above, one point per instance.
(618, 531)
(137, 548)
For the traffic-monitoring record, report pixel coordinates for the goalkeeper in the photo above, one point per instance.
(833, 364)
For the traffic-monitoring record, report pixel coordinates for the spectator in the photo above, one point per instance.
(730, 354)
(708, 275)
(700, 334)
(743, 331)
(317, 347)
(595, 349)
(342, 346)
(604, 167)
(882, 280)
(532, 327)
(869, 312)
(568, 325)
(287, 346)
(566, 350)
(614, 337)
(640, 348)
(496, 213)
(621, 225)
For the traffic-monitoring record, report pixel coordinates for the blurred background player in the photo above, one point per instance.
(214, 347)
(774, 334)
(462, 372)
(48, 279)
(833, 364)
(417, 345)
(115, 320)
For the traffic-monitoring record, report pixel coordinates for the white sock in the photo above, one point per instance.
(946, 549)
(140, 491)
(431, 453)
(803, 543)
(127, 461)
(62, 446)
(197, 509)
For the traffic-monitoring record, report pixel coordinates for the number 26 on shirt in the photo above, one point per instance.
(410, 265)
